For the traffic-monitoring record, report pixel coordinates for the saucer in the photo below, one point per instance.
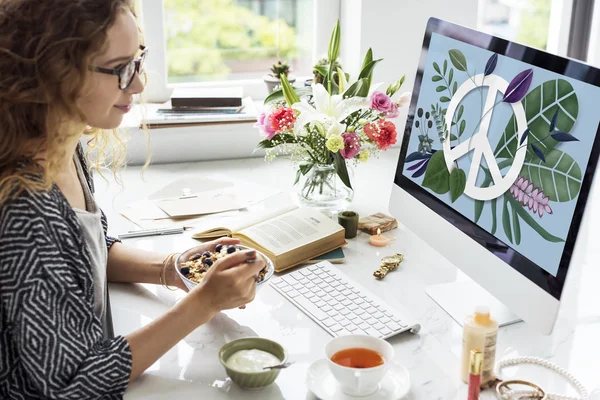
(321, 382)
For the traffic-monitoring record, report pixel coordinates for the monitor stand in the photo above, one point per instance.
(460, 298)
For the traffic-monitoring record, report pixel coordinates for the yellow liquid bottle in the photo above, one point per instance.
(479, 333)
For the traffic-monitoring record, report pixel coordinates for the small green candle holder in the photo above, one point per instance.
(349, 220)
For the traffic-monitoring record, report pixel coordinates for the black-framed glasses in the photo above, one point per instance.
(126, 72)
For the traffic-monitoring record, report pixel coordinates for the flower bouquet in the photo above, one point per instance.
(325, 125)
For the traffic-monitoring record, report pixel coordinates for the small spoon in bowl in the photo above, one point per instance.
(280, 366)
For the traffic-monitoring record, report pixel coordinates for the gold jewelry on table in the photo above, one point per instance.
(388, 264)
(505, 392)
(166, 262)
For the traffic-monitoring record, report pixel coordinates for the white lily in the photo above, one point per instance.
(329, 111)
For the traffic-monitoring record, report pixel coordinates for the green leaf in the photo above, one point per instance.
(528, 219)
(440, 88)
(437, 68)
(334, 43)
(461, 127)
(278, 95)
(445, 66)
(453, 137)
(288, 91)
(560, 177)
(458, 182)
(461, 109)
(516, 225)
(454, 88)
(506, 220)
(341, 169)
(445, 99)
(436, 78)
(458, 60)
(494, 218)
(368, 58)
(450, 75)
(367, 71)
(342, 80)
(359, 88)
(540, 105)
(437, 177)
(322, 69)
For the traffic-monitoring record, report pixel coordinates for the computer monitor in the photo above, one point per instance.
(497, 160)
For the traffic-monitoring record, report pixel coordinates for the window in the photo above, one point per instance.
(562, 27)
(233, 42)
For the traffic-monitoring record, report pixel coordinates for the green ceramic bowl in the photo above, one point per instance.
(252, 380)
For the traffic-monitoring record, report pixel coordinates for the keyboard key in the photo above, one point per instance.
(310, 307)
(314, 268)
(379, 326)
(303, 290)
(332, 313)
(393, 326)
(328, 279)
(359, 311)
(289, 279)
(372, 332)
(371, 321)
(336, 328)
(346, 302)
(340, 297)
(297, 286)
(320, 303)
(311, 296)
(346, 292)
(338, 317)
(371, 310)
(352, 328)
(364, 326)
(329, 322)
(343, 332)
(378, 315)
(352, 296)
(306, 272)
(384, 320)
(326, 308)
(338, 307)
(385, 331)
(344, 322)
(357, 320)
(365, 305)
(352, 307)
(293, 293)
(345, 312)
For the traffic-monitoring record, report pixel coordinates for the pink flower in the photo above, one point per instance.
(351, 145)
(530, 196)
(383, 133)
(392, 112)
(283, 119)
(381, 102)
(265, 126)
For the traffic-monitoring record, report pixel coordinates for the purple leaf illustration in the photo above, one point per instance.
(417, 165)
(553, 122)
(491, 64)
(525, 134)
(421, 170)
(561, 136)
(414, 156)
(538, 152)
(517, 88)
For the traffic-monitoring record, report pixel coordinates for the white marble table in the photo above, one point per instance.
(192, 370)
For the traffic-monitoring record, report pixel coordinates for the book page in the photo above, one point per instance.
(291, 230)
(255, 213)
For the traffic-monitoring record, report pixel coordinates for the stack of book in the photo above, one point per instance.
(201, 105)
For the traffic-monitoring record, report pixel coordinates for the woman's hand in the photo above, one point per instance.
(171, 276)
(230, 282)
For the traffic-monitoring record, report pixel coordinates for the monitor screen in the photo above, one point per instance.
(502, 141)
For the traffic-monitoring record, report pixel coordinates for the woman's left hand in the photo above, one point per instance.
(171, 275)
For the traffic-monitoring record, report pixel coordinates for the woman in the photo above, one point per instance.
(65, 67)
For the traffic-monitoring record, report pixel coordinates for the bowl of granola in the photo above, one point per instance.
(191, 266)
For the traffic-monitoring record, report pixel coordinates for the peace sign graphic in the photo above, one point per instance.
(479, 142)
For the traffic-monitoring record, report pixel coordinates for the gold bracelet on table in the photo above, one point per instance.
(165, 264)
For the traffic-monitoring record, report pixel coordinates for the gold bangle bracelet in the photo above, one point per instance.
(165, 264)
(504, 390)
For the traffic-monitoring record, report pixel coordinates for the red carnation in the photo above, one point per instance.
(283, 118)
(383, 133)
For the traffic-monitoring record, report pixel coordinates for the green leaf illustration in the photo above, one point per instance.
(437, 68)
(445, 66)
(440, 88)
(445, 99)
(458, 182)
(559, 177)
(528, 219)
(436, 78)
(458, 60)
(540, 105)
(494, 218)
(450, 75)
(461, 109)
(506, 220)
(341, 169)
(454, 88)
(461, 128)
(453, 137)
(516, 227)
(437, 176)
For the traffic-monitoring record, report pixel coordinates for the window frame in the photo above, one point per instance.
(325, 14)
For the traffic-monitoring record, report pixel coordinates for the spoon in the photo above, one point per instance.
(280, 366)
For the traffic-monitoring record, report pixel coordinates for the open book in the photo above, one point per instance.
(287, 235)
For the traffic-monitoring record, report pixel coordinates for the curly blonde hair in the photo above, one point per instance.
(45, 51)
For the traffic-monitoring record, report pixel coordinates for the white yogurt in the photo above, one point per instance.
(251, 360)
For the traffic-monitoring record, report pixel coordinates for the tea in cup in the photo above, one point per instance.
(359, 362)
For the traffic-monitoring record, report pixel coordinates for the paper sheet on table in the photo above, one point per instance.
(189, 186)
(211, 202)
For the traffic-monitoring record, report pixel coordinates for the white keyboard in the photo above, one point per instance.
(340, 305)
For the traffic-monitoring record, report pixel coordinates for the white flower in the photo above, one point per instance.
(404, 99)
(329, 111)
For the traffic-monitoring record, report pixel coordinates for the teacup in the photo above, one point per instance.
(362, 381)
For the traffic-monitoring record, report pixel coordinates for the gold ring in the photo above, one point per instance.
(504, 387)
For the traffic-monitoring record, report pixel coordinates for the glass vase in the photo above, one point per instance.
(323, 189)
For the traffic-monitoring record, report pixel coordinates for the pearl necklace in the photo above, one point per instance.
(581, 390)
